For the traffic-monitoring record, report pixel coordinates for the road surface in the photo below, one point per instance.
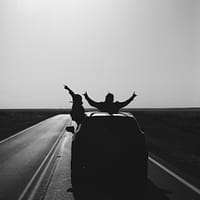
(163, 183)
(167, 185)
(22, 155)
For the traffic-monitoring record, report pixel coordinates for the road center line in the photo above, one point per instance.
(186, 183)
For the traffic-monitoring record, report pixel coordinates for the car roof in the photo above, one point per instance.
(103, 114)
(99, 114)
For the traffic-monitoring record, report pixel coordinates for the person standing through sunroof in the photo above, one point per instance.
(77, 112)
(109, 105)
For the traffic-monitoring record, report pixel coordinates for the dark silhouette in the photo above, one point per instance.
(150, 192)
(109, 105)
(78, 112)
(154, 192)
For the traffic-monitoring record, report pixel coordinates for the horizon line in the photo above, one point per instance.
(91, 108)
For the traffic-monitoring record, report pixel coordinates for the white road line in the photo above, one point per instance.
(34, 126)
(45, 164)
(192, 187)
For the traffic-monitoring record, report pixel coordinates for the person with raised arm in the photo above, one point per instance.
(109, 105)
(77, 112)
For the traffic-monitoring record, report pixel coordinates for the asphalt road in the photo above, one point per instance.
(165, 184)
(21, 155)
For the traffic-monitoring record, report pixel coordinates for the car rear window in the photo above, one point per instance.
(111, 125)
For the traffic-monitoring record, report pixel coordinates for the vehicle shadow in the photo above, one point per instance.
(151, 192)
(154, 192)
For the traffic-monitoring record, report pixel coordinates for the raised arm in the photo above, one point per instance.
(90, 101)
(125, 103)
(69, 90)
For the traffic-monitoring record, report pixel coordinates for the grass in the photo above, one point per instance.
(174, 135)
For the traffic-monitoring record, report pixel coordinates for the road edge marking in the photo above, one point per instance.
(41, 171)
(183, 181)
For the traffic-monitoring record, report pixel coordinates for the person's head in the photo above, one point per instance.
(109, 98)
(77, 99)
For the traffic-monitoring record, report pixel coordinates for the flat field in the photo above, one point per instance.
(171, 134)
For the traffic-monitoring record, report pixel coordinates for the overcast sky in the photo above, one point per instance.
(152, 47)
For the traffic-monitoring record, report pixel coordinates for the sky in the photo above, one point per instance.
(119, 46)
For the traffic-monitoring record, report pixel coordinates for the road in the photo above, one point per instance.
(165, 184)
(22, 155)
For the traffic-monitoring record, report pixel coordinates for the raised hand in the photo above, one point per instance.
(85, 94)
(134, 94)
(66, 87)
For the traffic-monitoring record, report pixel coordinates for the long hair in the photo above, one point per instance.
(77, 99)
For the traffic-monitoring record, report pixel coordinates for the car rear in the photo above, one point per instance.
(109, 152)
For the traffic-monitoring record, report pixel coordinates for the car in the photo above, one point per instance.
(109, 157)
